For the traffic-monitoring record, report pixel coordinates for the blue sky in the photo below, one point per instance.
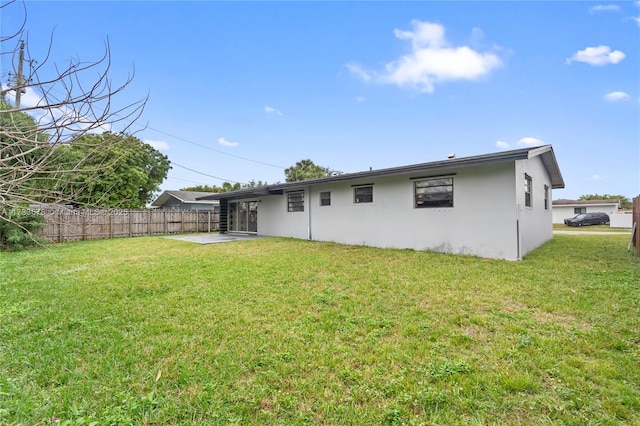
(242, 90)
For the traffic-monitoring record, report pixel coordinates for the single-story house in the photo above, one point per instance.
(494, 205)
(564, 209)
(184, 200)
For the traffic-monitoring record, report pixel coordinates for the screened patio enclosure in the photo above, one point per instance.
(243, 216)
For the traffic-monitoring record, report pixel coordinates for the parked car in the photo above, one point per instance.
(596, 218)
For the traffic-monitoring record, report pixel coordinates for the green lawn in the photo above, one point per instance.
(598, 228)
(276, 331)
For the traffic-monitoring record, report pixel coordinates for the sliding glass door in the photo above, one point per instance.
(243, 216)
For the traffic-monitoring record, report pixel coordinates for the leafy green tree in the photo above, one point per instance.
(16, 228)
(202, 188)
(50, 160)
(253, 184)
(121, 172)
(625, 203)
(307, 170)
(226, 187)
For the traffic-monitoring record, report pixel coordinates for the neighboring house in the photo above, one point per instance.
(494, 205)
(184, 200)
(564, 209)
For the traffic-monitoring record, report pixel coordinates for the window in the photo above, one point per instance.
(363, 194)
(546, 197)
(295, 201)
(325, 198)
(579, 210)
(431, 193)
(528, 201)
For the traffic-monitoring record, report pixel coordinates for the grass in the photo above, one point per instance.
(155, 331)
(598, 228)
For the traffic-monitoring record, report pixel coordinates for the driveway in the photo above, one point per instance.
(213, 238)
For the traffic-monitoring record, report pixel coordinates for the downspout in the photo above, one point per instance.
(518, 242)
(309, 233)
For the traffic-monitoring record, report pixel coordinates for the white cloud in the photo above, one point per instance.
(159, 145)
(598, 177)
(502, 145)
(28, 99)
(597, 56)
(524, 142)
(360, 72)
(529, 141)
(431, 60)
(66, 117)
(616, 96)
(224, 142)
(272, 111)
(604, 8)
(360, 99)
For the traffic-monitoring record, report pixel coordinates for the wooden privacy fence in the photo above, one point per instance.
(91, 224)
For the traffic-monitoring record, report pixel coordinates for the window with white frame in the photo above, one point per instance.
(546, 197)
(295, 201)
(325, 198)
(528, 196)
(363, 194)
(433, 193)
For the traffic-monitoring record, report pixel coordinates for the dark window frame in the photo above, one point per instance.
(295, 201)
(363, 194)
(429, 193)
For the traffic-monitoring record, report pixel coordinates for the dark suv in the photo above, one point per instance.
(596, 218)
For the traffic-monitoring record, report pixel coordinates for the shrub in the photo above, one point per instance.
(17, 227)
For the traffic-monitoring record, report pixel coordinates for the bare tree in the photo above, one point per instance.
(59, 105)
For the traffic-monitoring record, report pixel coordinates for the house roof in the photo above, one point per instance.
(565, 202)
(545, 152)
(182, 196)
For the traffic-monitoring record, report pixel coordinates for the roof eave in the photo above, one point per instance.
(545, 151)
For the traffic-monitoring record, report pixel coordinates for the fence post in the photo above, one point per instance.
(60, 232)
(209, 221)
(83, 223)
(148, 222)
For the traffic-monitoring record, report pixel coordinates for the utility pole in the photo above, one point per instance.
(18, 83)
(18, 80)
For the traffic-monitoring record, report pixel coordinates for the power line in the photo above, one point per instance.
(216, 150)
(179, 179)
(195, 144)
(201, 146)
(205, 174)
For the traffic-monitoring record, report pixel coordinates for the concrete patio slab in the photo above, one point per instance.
(213, 238)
